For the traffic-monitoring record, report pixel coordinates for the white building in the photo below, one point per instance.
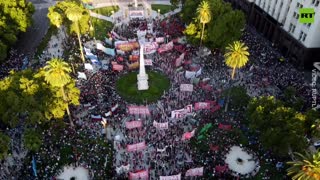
(278, 21)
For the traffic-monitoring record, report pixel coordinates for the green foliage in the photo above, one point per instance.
(26, 94)
(70, 13)
(101, 27)
(32, 140)
(238, 97)
(127, 87)
(15, 18)
(4, 145)
(106, 11)
(163, 8)
(305, 166)
(279, 127)
(224, 27)
(292, 99)
(175, 3)
(312, 123)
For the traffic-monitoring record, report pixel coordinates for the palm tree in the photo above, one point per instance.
(55, 18)
(306, 167)
(204, 14)
(74, 14)
(236, 56)
(57, 74)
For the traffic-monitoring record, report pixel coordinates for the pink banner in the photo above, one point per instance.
(215, 108)
(201, 105)
(133, 124)
(188, 135)
(160, 40)
(148, 62)
(173, 177)
(186, 87)
(195, 172)
(140, 175)
(139, 110)
(225, 126)
(179, 60)
(150, 47)
(160, 125)
(166, 47)
(117, 67)
(136, 147)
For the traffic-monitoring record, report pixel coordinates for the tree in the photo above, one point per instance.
(312, 123)
(204, 15)
(239, 97)
(279, 128)
(174, 2)
(305, 166)
(4, 145)
(16, 17)
(32, 140)
(187, 12)
(236, 56)
(57, 74)
(74, 14)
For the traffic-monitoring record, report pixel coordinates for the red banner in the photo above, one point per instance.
(195, 172)
(136, 147)
(166, 47)
(133, 124)
(139, 110)
(188, 135)
(225, 126)
(140, 175)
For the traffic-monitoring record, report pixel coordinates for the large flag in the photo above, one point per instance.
(82, 75)
(34, 166)
(107, 51)
(188, 135)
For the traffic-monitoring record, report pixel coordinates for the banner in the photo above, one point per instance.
(147, 62)
(160, 40)
(107, 51)
(189, 108)
(195, 172)
(139, 175)
(133, 124)
(190, 74)
(201, 105)
(117, 67)
(186, 87)
(133, 65)
(136, 147)
(161, 125)
(119, 52)
(179, 60)
(82, 75)
(166, 47)
(126, 46)
(96, 117)
(133, 58)
(176, 114)
(136, 13)
(224, 126)
(188, 135)
(139, 110)
(113, 108)
(150, 47)
(173, 177)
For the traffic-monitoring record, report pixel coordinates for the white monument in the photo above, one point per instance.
(135, 3)
(142, 76)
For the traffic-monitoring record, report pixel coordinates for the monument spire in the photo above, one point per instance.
(142, 70)
(142, 76)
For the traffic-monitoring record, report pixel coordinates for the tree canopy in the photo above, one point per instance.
(15, 17)
(279, 128)
(225, 25)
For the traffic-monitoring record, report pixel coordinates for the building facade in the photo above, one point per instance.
(278, 21)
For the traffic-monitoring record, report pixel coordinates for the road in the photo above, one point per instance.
(29, 40)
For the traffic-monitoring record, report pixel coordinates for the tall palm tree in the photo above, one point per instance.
(305, 167)
(55, 18)
(236, 56)
(57, 74)
(204, 15)
(74, 14)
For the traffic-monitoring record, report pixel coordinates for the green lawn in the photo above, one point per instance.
(163, 8)
(101, 28)
(106, 11)
(128, 89)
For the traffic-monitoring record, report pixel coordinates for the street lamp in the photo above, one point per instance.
(159, 12)
(112, 12)
(105, 124)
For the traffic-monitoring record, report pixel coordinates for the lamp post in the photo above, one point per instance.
(105, 124)
(158, 12)
(112, 12)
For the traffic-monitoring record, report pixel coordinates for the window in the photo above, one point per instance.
(294, 28)
(300, 36)
(309, 24)
(297, 16)
(304, 37)
(294, 14)
(317, 4)
(298, 4)
(290, 27)
(313, 1)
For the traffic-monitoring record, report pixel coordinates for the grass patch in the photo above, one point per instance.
(163, 8)
(106, 11)
(101, 28)
(128, 89)
(53, 30)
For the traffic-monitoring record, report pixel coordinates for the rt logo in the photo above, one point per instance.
(306, 15)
